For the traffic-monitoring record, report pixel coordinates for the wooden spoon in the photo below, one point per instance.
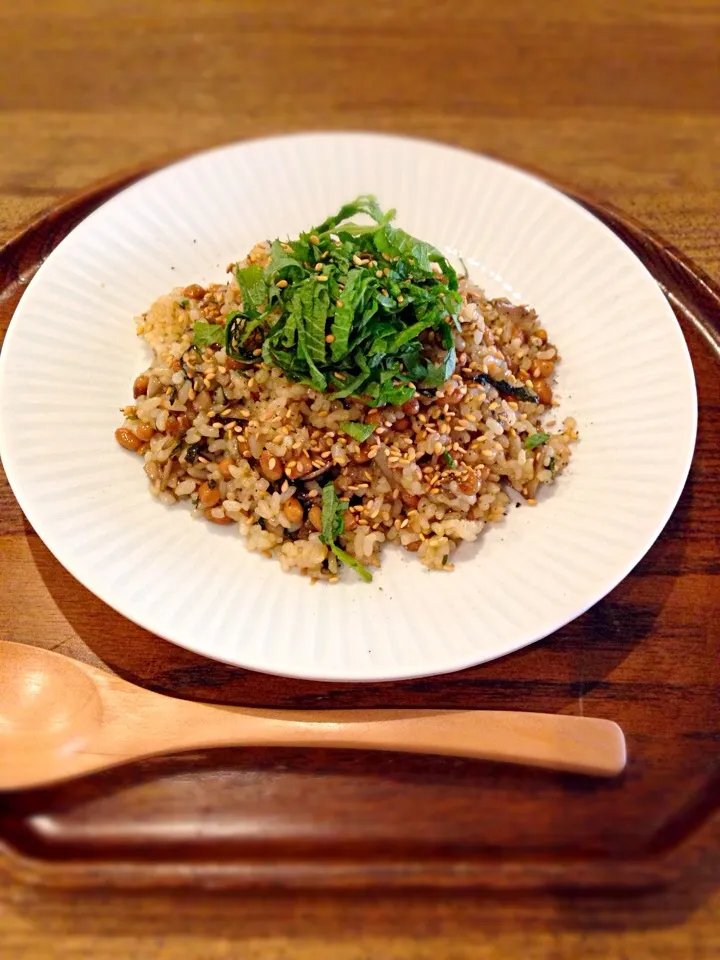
(60, 718)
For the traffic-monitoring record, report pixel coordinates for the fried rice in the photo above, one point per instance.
(247, 448)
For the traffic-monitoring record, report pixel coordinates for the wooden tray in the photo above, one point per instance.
(646, 656)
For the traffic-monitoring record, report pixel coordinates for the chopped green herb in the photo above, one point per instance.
(333, 508)
(343, 329)
(207, 334)
(536, 440)
(350, 561)
(551, 465)
(332, 525)
(184, 303)
(253, 288)
(358, 431)
(449, 460)
(445, 559)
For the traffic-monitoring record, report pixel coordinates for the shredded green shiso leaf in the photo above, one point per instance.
(332, 524)
(536, 440)
(343, 308)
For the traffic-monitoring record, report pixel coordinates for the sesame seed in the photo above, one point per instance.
(257, 353)
(330, 338)
(339, 303)
(321, 279)
(272, 463)
(438, 448)
(531, 502)
(378, 274)
(282, 284)
(314, 238)
(318, 267)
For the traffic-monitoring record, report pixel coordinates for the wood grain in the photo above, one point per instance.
(620, 99)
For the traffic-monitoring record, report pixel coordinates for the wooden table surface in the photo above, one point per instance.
(622, 99)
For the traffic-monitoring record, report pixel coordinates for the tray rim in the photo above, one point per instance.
(665, 866)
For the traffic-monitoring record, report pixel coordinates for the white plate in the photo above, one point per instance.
(71, 355)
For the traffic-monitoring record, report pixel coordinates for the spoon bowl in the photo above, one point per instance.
(47, 704)
(60, 718)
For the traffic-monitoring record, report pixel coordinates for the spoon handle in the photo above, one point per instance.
(580, 744)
